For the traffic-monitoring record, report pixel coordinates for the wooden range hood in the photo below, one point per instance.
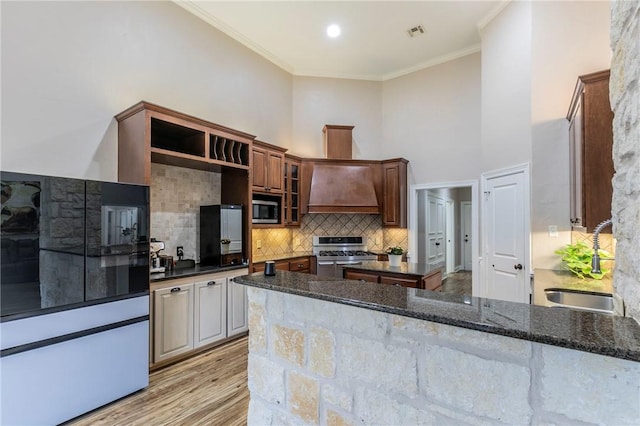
(340, 184)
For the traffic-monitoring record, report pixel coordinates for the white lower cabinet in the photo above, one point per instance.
(187, 314)
(173, 321)
(237, 307)
(210, 316)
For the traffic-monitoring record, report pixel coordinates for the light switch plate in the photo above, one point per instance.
(258, 244)
(553, 230)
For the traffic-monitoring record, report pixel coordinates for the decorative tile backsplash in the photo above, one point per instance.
(176, 196)
(277, 241)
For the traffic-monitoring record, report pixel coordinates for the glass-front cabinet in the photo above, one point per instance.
(291, 191)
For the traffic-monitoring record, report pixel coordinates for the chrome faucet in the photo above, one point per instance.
(595, 260)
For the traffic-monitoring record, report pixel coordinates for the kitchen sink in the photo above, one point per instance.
(577, 299)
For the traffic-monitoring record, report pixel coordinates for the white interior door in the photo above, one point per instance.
(466, 235)
(450, 237)
(506, 229)
(435, 231)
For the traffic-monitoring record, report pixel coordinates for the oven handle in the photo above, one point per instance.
(326, 262)
(349, 263)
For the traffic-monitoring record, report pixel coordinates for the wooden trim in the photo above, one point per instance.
(579, 89)
(337, 127)
(143, 105)
(267, 145)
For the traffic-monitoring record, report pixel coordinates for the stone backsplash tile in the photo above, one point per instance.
(176, 196)
(286, 240)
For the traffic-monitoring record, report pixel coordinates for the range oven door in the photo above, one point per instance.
(326, 268)
(341, 265)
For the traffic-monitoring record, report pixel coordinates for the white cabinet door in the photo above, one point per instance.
(435, 231)
(210, 316)
(173, 321)
(506, 236)
(237, 307)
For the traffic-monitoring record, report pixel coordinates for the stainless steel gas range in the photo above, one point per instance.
(334, 253)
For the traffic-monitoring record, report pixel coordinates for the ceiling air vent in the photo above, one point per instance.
(416, 31)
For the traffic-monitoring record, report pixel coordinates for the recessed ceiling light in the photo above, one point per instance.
(333, 30)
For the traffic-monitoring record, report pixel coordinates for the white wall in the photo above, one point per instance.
(432, 118)
(560, 53)
(69, 67)
(506, 88)
(320, 101)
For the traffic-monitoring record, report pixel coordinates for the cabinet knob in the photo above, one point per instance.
(175, 289)
(518, 267)
(211, 283)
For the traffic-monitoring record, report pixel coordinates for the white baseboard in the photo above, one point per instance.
(458, 268)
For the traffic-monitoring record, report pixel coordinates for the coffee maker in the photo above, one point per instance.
(154, 248)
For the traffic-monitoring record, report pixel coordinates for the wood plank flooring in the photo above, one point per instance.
(208, 389)
(458, 283)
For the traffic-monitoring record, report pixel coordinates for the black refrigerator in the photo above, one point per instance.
(74, 290)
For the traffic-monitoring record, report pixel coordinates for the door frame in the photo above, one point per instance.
(463, 256)
(413, 223)
(525, 170)
(450, 235)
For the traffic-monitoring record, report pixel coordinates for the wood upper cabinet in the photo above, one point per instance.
(292, 188)
(394, 190)
(150, 133)
(267, 168)
(591, 151)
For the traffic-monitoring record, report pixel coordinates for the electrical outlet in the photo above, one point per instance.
(296, 242)
(258, 244)
(553, 231)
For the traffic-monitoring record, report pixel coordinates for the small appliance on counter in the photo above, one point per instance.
(221, 235)
(155, 247)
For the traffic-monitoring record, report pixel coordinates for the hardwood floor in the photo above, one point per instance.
(458, 283)
(208, 389)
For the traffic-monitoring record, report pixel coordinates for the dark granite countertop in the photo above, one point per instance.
(191, 272)
(404, 268)
(609, 335)
(282, 256)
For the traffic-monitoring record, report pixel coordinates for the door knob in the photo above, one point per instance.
(518, 266)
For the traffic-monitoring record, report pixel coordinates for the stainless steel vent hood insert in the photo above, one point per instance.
(343, 189)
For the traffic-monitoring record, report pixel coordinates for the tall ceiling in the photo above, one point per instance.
(374, 43)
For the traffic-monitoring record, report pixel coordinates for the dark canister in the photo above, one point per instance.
(269, 268)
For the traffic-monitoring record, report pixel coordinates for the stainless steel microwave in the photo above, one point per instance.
(265, 211)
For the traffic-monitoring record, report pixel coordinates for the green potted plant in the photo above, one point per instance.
(577, 259)
(395, 255)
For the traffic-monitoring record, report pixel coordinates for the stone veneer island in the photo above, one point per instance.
(339, 352)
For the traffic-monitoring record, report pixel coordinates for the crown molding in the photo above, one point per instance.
(192, 7)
